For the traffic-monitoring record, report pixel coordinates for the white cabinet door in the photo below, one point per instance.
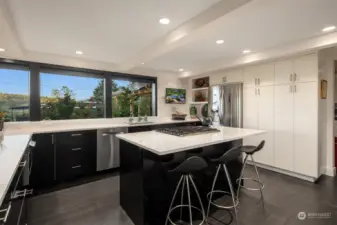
(265, 75)
(250, 75)
(306, 129)
(265, 99)
(234, 76)
(283, 71)
(283, 127)
(306, 68)
(250, 113)
(216, 78)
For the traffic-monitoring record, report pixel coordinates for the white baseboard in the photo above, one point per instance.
(289, 173)
(329, 171)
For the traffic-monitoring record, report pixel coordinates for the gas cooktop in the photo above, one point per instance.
(187, 130)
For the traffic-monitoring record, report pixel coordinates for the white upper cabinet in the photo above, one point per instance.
(306, 68)
(284, 71)
(233, 76)
(265, 75)
(262, 75)
(227, 77)
(249, 76)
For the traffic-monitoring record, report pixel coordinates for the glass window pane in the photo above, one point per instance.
(132, 97)
(71, 97)
(14, 93)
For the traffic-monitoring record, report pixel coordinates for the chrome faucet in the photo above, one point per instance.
(139, 118)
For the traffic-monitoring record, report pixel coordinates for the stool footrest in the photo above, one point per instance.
(223, 206)
(184, 206)
(254, 180)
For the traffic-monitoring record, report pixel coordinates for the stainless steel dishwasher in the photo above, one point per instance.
(108, 148)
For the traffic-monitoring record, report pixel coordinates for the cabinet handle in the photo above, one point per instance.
(295, 76)
(75, 167)
(258, 81)
(294, 88)
(73, 135)
(258, 91)
(76, 149)
(291, 88)
(4, 219)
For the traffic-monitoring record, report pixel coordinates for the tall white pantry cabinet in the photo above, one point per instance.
(282, 98)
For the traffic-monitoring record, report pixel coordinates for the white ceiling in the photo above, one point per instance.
(124, 32)
(105, 30)
(258, 25)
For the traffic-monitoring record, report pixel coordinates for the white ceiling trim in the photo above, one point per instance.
(177, 37)
(302, 47)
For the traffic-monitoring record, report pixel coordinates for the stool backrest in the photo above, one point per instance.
(260, 146)
(230, 155)
(191, 164)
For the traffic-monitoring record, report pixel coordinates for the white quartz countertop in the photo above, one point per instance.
(162, 144)
(49, 126)
(11, 151)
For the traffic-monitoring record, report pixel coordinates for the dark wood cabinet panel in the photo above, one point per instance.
(43, 165)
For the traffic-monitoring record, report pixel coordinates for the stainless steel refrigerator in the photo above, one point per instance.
(225, 104)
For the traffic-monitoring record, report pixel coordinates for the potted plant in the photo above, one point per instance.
(2, 117)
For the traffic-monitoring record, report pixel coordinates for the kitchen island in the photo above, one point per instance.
(146, 185)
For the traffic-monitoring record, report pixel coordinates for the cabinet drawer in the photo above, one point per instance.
(76, 139)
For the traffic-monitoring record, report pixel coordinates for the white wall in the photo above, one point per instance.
(326, 59)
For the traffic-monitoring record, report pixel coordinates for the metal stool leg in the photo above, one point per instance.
(232, 193)
(174, 196)
(258, 178)
(189, 200)
(182, 199)
(200, 202)
(241, 176)
(210, 199)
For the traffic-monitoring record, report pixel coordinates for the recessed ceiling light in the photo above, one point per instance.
(79, 52)
(246, 51)
(2, 50)
(181, 70)
(219, 42)
(164, 21)
(329, 28)
(143, 63)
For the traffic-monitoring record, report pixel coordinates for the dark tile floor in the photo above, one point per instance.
(97, 203)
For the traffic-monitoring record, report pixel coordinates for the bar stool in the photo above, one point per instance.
(227, 157)
(250, 150)
(186, 168)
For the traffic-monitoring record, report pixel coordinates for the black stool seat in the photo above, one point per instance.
(250, 149)
(190, 165)
(228, 156)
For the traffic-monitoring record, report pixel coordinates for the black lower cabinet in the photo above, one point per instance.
(43, 165)
(59, 157)
(75, 154)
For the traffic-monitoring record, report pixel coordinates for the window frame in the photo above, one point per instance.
(21, 67)
(36, 68)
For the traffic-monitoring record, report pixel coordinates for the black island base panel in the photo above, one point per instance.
(147, 186)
